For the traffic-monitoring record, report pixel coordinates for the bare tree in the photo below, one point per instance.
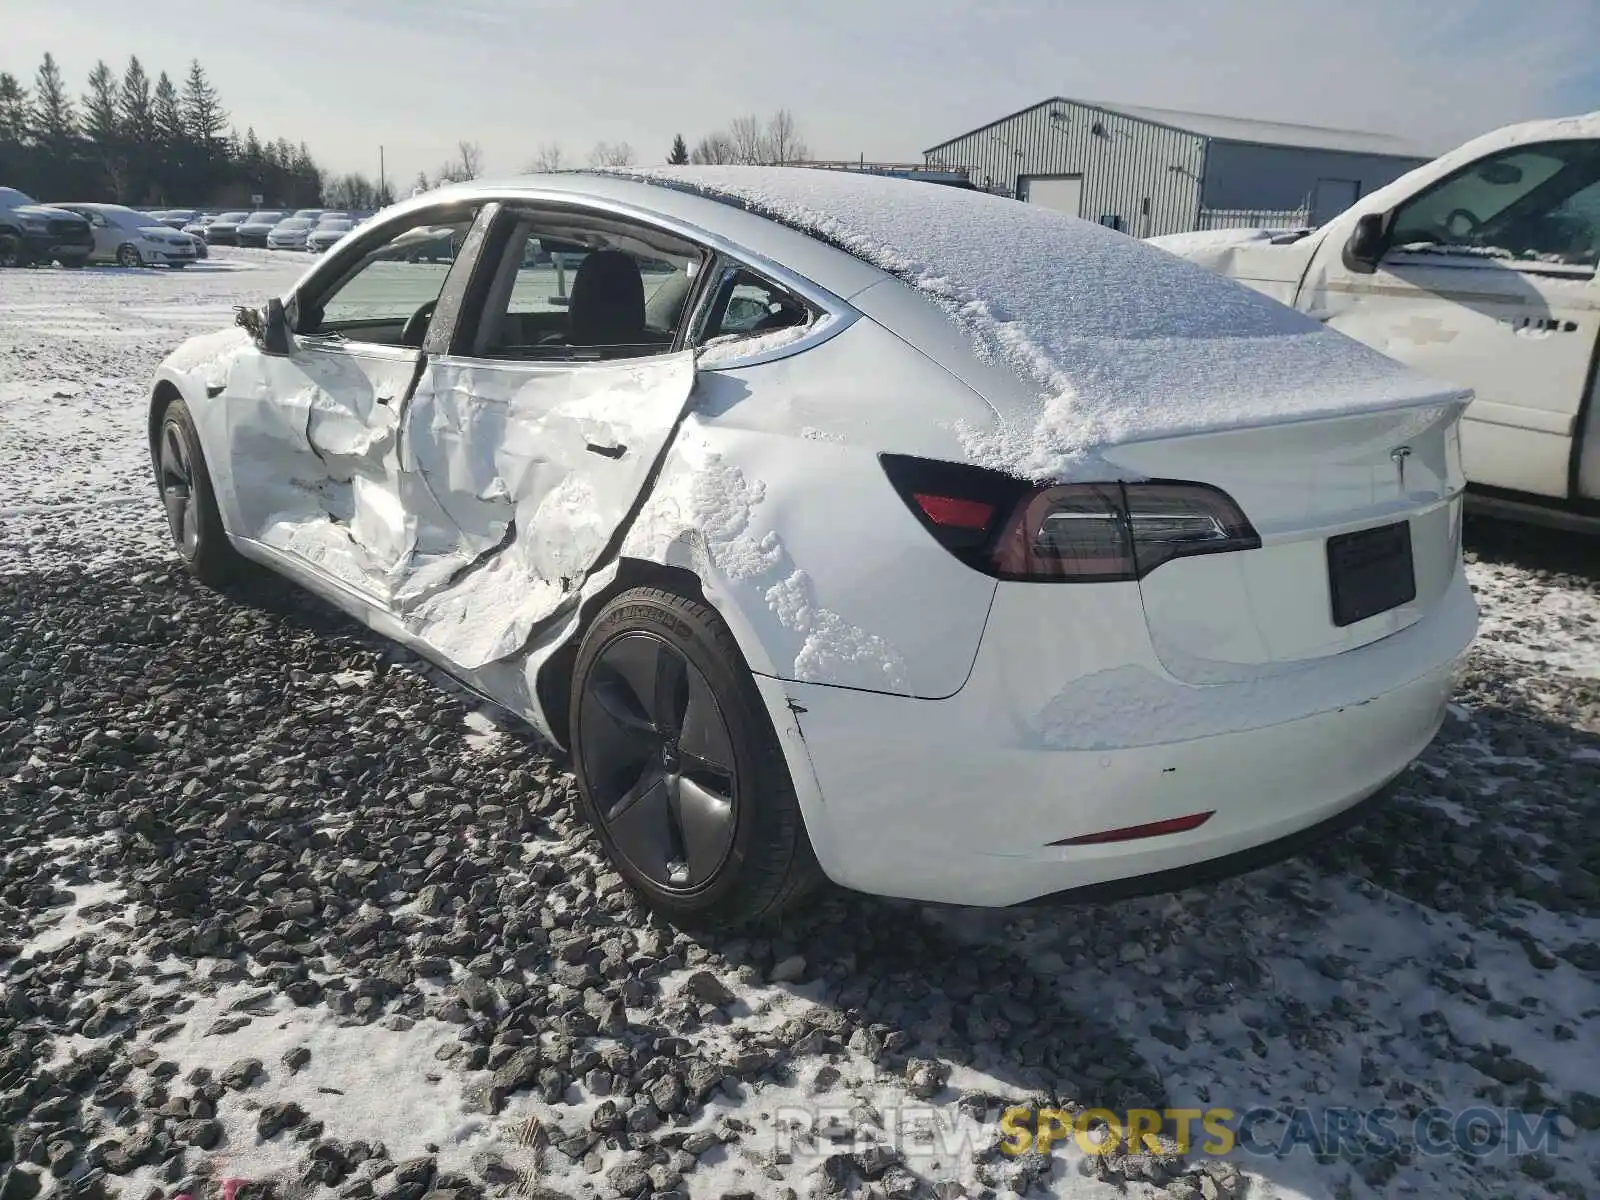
(467, 164)
(549, 158)
(749, 139)
(605, 154)
(713, 150)
(784, 143)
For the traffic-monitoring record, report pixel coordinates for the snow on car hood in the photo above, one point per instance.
(1116, 341)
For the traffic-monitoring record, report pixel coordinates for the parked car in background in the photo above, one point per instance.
(308, 214)
(253, 230)
(223, 229)
(1480, 268)
(131, 238)
(201, 249)
(327, 234)
(176, 218)
(31, 232)
(199, 225)
(290, 233)
(1107, 581)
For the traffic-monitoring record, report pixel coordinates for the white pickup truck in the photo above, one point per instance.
(1477, 268)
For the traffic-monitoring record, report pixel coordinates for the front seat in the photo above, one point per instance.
(607, 305)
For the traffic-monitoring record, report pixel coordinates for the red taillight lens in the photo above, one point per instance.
(954, 512)
(1070, 533)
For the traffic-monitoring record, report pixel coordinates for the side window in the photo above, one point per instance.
(387, 295)
(579, 288)
(1533, 204)
(746, 305)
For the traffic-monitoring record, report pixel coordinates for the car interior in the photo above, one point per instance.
(568, 287)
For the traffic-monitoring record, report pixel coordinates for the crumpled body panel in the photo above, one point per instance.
(532, 470)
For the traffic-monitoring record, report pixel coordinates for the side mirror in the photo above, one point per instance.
(1368, 239)
(268, 327)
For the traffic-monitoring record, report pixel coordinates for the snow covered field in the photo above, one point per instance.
(278, 906)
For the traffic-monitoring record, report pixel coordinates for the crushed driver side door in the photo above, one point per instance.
(314, 433)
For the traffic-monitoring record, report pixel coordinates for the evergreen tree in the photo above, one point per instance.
(16, 111)
(680, 151)
(135, 108)
(100, 120)
(203, 114)
(55, 123)
(170, 128)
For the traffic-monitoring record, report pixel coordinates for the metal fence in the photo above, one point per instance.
(1252, 218)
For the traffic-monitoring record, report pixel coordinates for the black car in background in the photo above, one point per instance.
(254, 229)
(224, 231)
(36, 233)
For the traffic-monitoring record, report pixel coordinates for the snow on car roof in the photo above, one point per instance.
(1118, 341)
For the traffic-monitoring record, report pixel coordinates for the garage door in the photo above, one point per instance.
(1064, 193)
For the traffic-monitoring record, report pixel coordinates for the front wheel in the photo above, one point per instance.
(128, 256)
(191, 505)
(679, 767)
(11, 254)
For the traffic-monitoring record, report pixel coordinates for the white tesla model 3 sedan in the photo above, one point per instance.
(941, 545)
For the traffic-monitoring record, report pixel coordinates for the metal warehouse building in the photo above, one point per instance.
(1150, 171)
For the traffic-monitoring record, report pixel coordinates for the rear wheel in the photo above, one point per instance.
(679, 767)
(11, 251)
(191, 505)
(128, 255)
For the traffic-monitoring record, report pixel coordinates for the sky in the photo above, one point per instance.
(880, 78)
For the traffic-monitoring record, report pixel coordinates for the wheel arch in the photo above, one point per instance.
(161, 398)
(553, 682)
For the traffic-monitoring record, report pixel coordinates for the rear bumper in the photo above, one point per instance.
(959, 800)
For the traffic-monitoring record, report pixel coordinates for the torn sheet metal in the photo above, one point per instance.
(315, 443)
(533, 469)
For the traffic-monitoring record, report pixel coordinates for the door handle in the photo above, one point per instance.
(607, 451)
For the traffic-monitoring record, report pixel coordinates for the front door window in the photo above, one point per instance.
(388, 295)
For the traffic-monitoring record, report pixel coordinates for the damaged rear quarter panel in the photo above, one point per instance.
(773, 496)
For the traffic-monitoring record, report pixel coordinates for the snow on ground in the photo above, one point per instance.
(277, 905)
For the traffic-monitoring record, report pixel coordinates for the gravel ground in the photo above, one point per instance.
(283, 914)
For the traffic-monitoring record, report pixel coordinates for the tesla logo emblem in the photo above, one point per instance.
(1398, 456)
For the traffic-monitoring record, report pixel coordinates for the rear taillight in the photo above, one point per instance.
(1068, 533)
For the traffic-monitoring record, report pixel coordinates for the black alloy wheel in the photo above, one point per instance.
(658, 753)
(190, 504)
(679, 765)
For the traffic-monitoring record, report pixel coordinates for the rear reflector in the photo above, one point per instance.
(951, 511)
(1131, 833)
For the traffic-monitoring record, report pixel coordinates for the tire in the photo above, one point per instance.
(749, 858)
(184, 484)
(179, 266)
(11, 251)
(128, 255)
(73, 264)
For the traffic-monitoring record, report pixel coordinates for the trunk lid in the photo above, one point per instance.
(1235, 616)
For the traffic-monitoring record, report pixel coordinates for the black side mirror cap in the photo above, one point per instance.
(1368, 241)
(268, 327)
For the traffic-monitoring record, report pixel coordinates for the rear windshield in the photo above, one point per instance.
(262, 218)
